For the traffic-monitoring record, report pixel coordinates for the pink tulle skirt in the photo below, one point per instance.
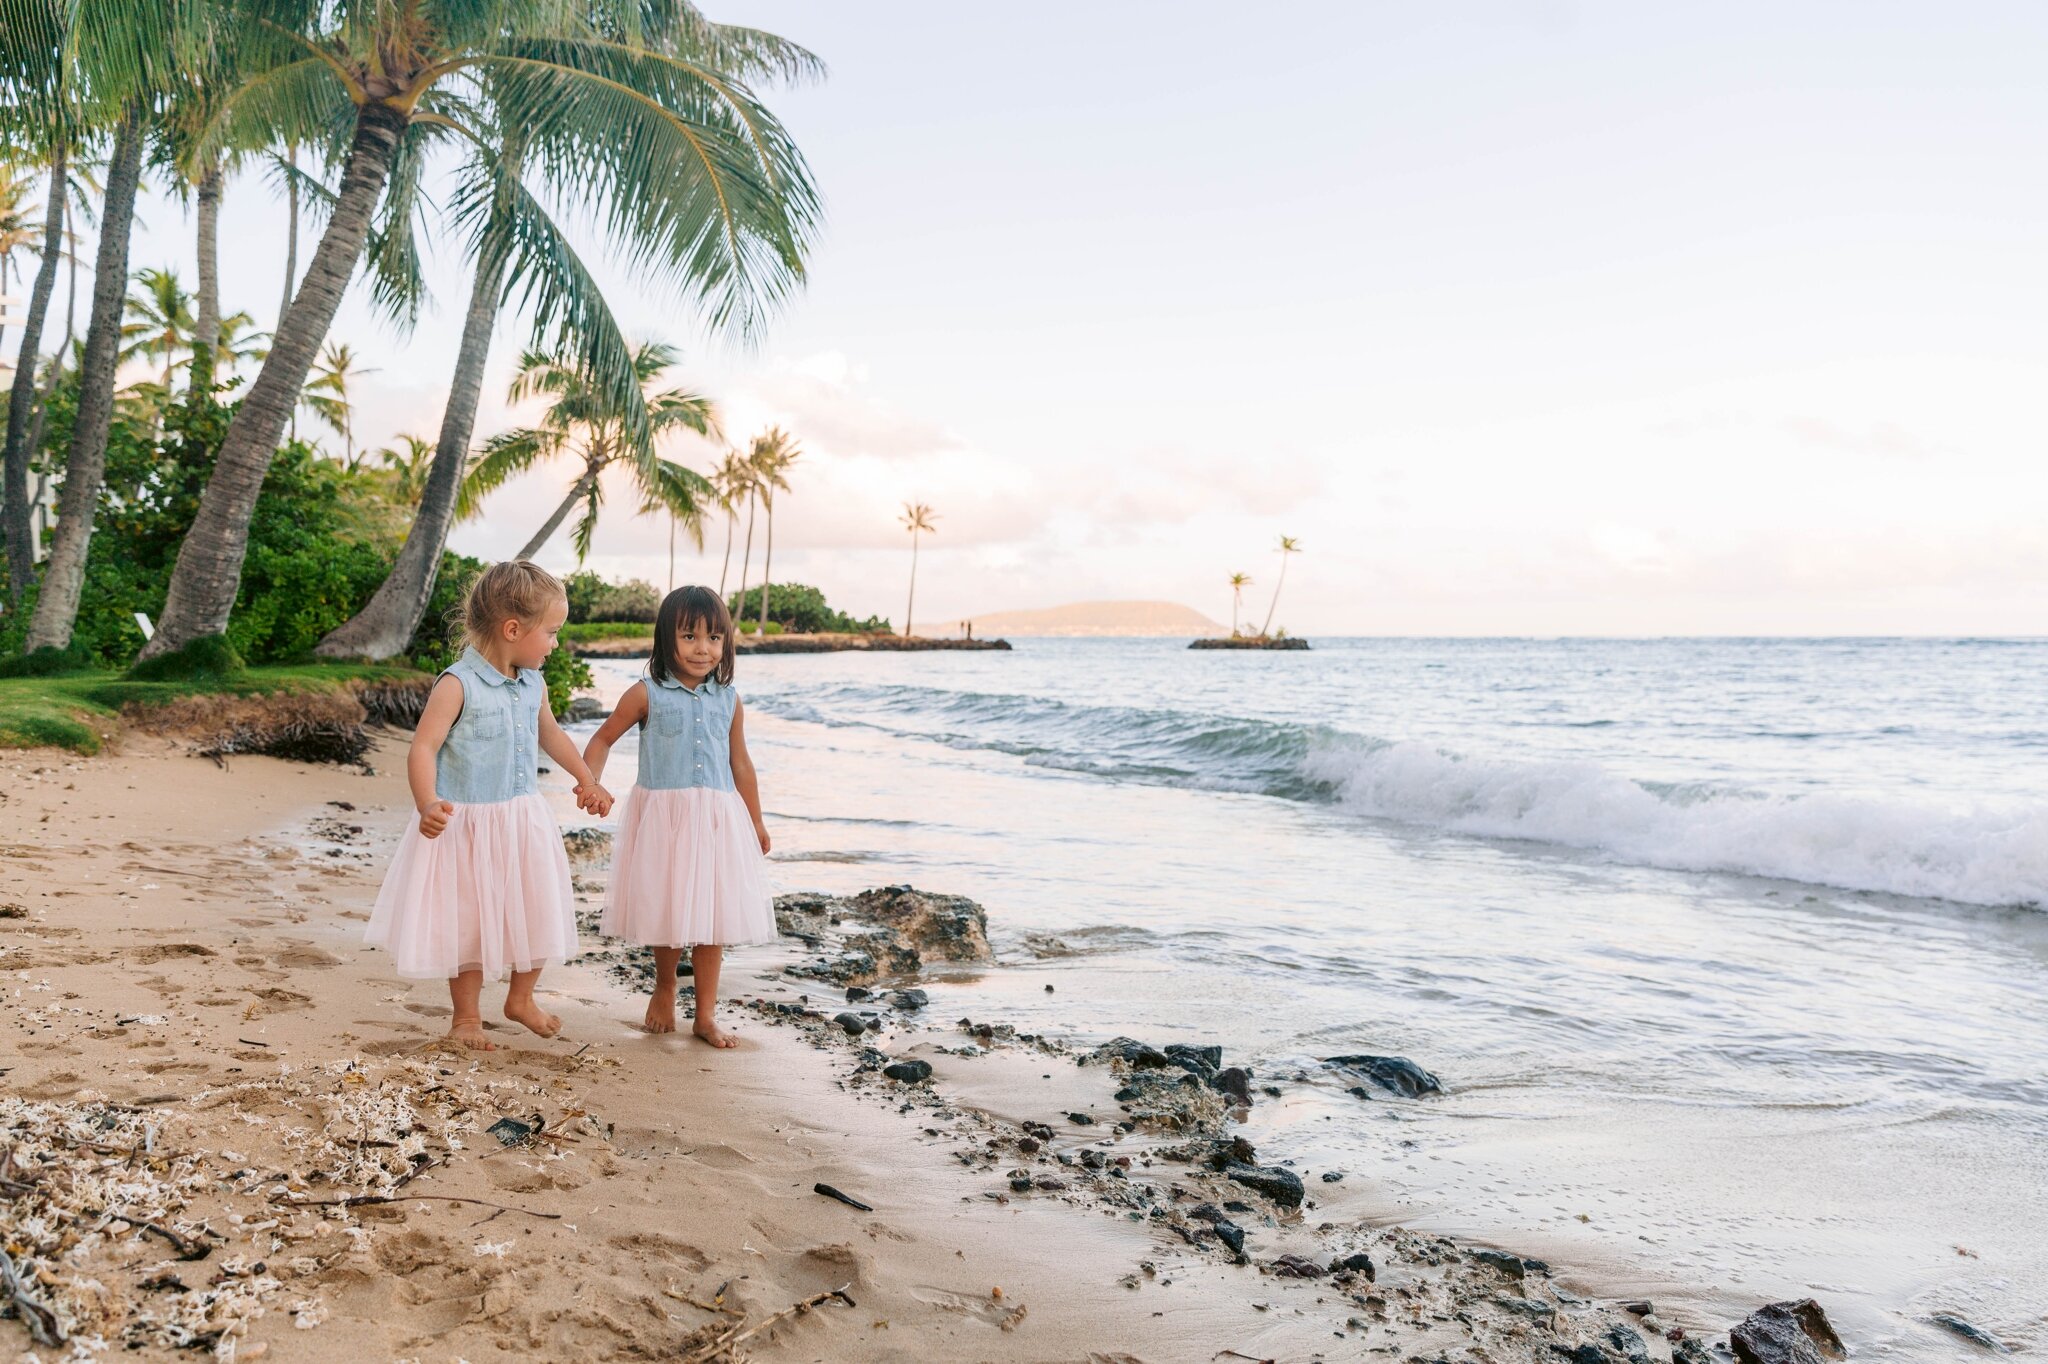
(490, 894)
(687, 870)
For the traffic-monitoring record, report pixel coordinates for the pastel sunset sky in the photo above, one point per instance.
(1546, 318)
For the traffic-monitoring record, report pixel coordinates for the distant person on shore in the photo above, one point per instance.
(480, 885)
(689, 869)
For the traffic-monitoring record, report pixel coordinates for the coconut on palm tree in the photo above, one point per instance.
(1238, 583)
(1289, 547)
(917, 518)
(668, 149)
(582, 421)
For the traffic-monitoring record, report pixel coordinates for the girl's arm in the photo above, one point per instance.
(743, 772)
(444, 706)
(631, 710)
(559, 746)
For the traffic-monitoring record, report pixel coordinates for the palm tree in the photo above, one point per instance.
(1289, 547)
(234, 343)
(917, 518)
(583, 420)
(328, 394)
(159, 322)
(1238, 583)
(520, 252)
(751, 486)
(85, 459)
(408, 466)
(774, 450)
(595, 98)
(14, 236)
(17, 233)
(728, 481)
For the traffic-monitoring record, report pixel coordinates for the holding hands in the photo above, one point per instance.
(592, 798)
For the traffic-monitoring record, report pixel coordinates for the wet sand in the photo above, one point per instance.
(183, 978)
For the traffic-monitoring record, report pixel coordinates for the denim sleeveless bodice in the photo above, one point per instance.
(687, 739)
(493, 750)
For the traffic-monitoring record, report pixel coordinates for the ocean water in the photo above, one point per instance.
(1732, 954)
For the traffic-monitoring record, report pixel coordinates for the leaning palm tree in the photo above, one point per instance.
(18, 231)
(329, 394)
(1238, 583)
(522, 258)
(598, 103)
(774, 450)
(917, 518)
(583, 421)
(1289, 547)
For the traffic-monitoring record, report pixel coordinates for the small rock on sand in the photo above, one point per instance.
(1282, 1186)
(1787, 1333)
(1396, 1074)
(854, 1024)
(909, 1072)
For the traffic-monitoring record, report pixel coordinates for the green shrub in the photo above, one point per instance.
(799, 608)
(47, 662)
(589, 630)
(208, 661)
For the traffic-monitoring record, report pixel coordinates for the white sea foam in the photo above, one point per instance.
(1987, 856)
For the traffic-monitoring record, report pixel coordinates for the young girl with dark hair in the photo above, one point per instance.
(688, 870)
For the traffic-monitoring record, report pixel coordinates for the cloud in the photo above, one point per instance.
(1886, 439)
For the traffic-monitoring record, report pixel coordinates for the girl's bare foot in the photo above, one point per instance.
(713, 1034)
(469, 1032)
(537, 1020)
(661, 1011)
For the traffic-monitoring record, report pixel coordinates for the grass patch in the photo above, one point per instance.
(584, 631)
(80, 710)
(207, 661)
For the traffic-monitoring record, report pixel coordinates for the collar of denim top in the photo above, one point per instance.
(704, 688)
(487, 671)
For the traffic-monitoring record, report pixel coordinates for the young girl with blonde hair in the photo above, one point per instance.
(480, 886)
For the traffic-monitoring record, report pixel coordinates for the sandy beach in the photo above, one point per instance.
(195, 1038)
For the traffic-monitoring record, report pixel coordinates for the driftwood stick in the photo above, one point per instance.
(186, 1247)
(733, 1335)
(371, 1200)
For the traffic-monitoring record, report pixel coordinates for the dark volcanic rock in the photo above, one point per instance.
(1282, 1186)
(1510, 1265)
(1395, 1073)
(1357, 1263)
(909, 999)
(1690, 1351)
(1295, 1267)
(946, 927)
(587, 845)
(1234, 1083)
(1133, 1053)
(1628, 1342)
(1976, 1335)
(854, 1024)
(1230, 1234)
(910, 1072)
(1202, 1061)
(1787, 1333)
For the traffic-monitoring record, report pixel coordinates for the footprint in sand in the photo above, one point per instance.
(253, 923)
(305, 955)
(165, 951)
(62, 1085)
(428, 1010)
(273, 1000)
(176, 1067)
(652, 1245)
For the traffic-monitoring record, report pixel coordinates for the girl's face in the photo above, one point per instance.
(698, 650)
(529, 642)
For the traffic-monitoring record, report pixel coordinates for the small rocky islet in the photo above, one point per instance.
(1183, 1170)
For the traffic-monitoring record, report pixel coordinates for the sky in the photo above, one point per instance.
(1527, 318)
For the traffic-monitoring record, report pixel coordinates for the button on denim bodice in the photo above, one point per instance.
(687, 739)
(493, 750)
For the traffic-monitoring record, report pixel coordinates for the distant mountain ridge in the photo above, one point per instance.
(1129, 618)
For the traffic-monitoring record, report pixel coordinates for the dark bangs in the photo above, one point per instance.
(689, 608)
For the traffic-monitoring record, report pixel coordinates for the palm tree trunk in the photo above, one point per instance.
(209, 571)
(578, 490)
(767, 564)
(206, 326)
(14, 499)
(387, 622)
(1279, 583)
(746, 555)
(291, 235)
(86, 461)
(57, 361)
(731, 520)
(911, 604)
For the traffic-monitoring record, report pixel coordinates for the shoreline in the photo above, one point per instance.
(627, 647)
(281, 892)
